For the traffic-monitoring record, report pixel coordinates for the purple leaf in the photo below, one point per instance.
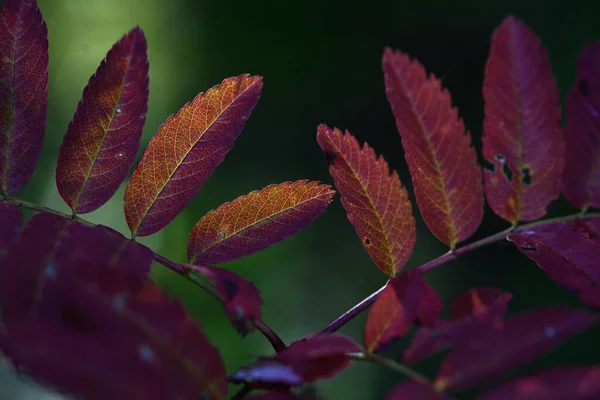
(581, 177)
(568, 252)
(23, 91)
(414, 391)
(10, 226)
(522, 339)
(240, 298)
(572, 382)
(103, 138)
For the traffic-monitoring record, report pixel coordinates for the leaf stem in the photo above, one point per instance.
(389, 363)
(263, 328)
(449, 256)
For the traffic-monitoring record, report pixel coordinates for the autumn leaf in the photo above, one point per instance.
(443, 165)
(47, 244)
(376, 202)
(474, 313)
(581, 177)
(581, 382)
(103, 138)
(241, 299)
(521, 339)
(23, 91)
(99, 334)
(522, 141)
(407, 298)
(185, 152)
(11, 220)
(414, 390)
(257, 220)
(568, 252)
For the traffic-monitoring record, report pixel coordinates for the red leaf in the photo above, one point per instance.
(185, 152)
(319, 357)
(521, 135)
(10, 226)
(23, 91)
(581, 177)
(522, 339)
(568, 252)
(443, 165)
(50, 243)
(101, 335)
(103, 138)
(376, 202)
(267, 373)
(240, 298)
(414, 391)
(474, 313)
(406, 298)
(573, 383)
(257, 220)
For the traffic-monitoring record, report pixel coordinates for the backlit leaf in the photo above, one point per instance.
(99, 334)
(414, 390)
(521, 339)
(23, 91)
(257, 220)
(572, 382)
(581, 177)
(521, 135)
(474, 313)
(376, 202)
(185, 152)
(103, 138)
(46, 244)
(568, 252)
(443, 165)
(320, 356)
(240, 298)
(406, 299)
(10, 226)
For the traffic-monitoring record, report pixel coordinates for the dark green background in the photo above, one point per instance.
(321, 64)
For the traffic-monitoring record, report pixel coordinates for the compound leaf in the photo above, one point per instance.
(185, 152)
(407, 298)
(103, 138)
(522, 140)
(376, 202)
(241, 299)
(521, 339)
(257, 220)
(580, 382)
(581, 177)
(443, 165)
(23, 91)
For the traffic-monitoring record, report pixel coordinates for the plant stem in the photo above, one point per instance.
(263, 328)
(387, 362)
(449, 256)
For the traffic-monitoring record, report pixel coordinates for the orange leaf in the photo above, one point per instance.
(254, 222)
(376, 202)
(443, 165)
(185, 152)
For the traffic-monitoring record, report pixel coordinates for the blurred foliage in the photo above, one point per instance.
(321, 63)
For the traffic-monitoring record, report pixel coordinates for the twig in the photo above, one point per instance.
(449, 256)
(389, 363)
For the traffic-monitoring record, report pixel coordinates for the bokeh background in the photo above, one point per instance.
(321, 64)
